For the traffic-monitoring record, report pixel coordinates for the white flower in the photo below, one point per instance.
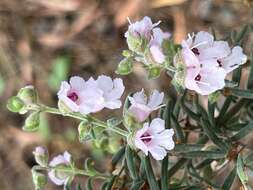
(57, 176)
(93, 95)
(154, 138)
(141, 107)
(112, 91)
(156, 44)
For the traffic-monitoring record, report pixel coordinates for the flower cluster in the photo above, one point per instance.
(91, 96)
(207, 62)
(145, 38)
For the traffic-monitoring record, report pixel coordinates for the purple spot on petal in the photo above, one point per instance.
(73, 96)
(219, 62)
(146, 138)
(198, 77)
(195, 51)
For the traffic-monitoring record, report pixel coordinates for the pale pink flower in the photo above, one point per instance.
(154, 138)
(70, 93)
(112, 91)
(156, 44)
(91, 96)
(204, 46)
(141, 107)
(41, 156)
(57, 176)
(202, 76)
(141, 28)
(233, 60)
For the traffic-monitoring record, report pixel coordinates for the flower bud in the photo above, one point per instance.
(127, 53)
(84, 130)
(41, 156)
(135, 43)
(154, 72)
(39, 180)
(28, 94)
(15, 104)
(125, 67)
(32, 122)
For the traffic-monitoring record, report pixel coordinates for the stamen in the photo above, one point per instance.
(128, 19)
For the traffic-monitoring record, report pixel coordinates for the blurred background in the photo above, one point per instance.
(43, 42)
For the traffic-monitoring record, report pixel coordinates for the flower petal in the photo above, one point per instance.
(155, 99)
(54, 179)
(157, 125)
(158, 152)
(77, 83)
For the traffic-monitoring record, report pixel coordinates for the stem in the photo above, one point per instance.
(81, 117)
(170, 68)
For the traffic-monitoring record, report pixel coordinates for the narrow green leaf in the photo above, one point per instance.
(177, 166)
(164, 172)
(250, 79)
(204, 154)
(240, 171)
(167, 113)
(118, 156)
(188, 147)
(137, 185)
(211, 109)
(229, 180)
(224, 108)
(204, 163)
(249, 158)
(237, 75)
(130, 163)
(178, 130)
(210, 132)
(78, 187)
(150, 174)
(241, 34)
(243, 132)
(189, 112)
(89, 184)
(111, 182)
(242, 93)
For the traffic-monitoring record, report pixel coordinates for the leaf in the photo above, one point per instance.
(249, 158)
(204, 154)
(130, 163)
(178, 130)
(237, 75)
(2, 85)
(240, 171)
(229, 180)
(241, 34)
(111, 182)
(164, 172)
(88, 185)
(180, 163)
(224, 108)
(137, 185)
(204, 163)
(150, 174)
(250, 79)
(188, 147)
(89, 167)
(113, 122)
(210, 132)
(78, 187)
(60, 69)
(118, 156)
(242, 93)
(243, 132)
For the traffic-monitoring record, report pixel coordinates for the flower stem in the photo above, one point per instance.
(81, 117)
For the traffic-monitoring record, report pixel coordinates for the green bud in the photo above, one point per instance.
(135, 43)
(125, 67)
(84, 131)
(214, 96)
(154, 72)
(127, 53)
(63, 107)
(28, 94)
(32, 122)
(41, 156)
(15, 104)
(39, 180)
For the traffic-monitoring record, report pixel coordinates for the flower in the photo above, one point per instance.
(156, 44)
(112, 91)
(202, 76)
(154, 138)
(57, 176)
(91, 96)
(41, 156)
(207, 62)
(139, 34)
(141, 28)
(141, 107)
